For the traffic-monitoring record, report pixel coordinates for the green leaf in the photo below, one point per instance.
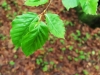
(35, 2)
(45, 68)
(20, 26)
(39, 61)
(70, 3)
(55, 25)
(12, 63)
(89, 6)
(35, 38)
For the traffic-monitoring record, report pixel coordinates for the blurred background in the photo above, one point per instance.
(77, 54)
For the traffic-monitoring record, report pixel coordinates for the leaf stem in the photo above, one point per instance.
(48, 6)
(42, 14)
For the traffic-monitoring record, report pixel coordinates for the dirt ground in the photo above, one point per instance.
(77, 54)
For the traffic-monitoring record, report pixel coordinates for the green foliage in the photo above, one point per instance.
(45, 68)
(88, 6)
(85, 72)
(20, 26)
(71, 48)
(31, 34)
(35, 2)
(50, 49)
(82, 57)
(2, 37)
(70, 3)
(76, 74)
(15, 56)
(97, 67)
(87, 35)
(39, 61)
(91, 20)
(52, 63)
(69, 58)
(61, 57)
(63, 49)
(76, 36)
(93, 52)
(81, 52)
(12, 63)
(5, 5)
(30, 31)
(78, 32)
(76, 59)
(55, 25)
(68, 23)
(35, 38)
(77, 51)
(62, 41)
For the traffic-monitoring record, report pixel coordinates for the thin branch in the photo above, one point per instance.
(47, 6)
(42, 14)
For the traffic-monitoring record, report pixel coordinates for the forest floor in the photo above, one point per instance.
(77, 54)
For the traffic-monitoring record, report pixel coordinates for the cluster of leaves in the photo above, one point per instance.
(86, 10)
(5, 5)
(30, 32)
(88, 6)
(45, 65)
